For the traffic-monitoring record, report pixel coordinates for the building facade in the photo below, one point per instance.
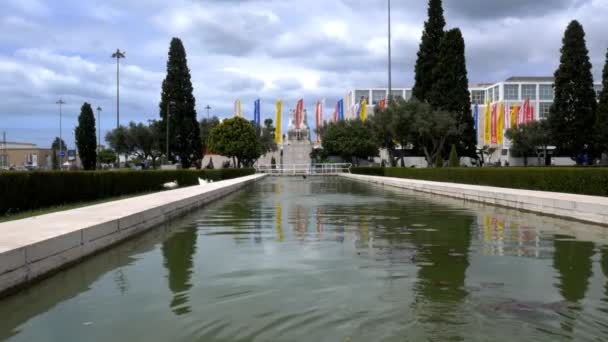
(13, 154)
(513, 91)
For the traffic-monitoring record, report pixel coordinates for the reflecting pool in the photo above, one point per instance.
(328, 259)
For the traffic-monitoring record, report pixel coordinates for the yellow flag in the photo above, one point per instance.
(487, 124)
(238, 110)
(514, 111)
(500, 125)
(364, 110)
(277, 132)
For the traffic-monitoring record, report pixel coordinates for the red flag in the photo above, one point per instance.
(494, 124)
(336, 112)
(382, 104)
(529, 112)
(299, 109)
(318, 118)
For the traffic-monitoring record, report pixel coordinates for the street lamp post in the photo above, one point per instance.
(118, 55)
(390, 85)
(98, 135)
(170, 105)
(60, 103)
(208, 108)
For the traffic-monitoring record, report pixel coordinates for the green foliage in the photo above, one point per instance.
(350, 140)
(138, 140)
(450, 91)
(601, 120)
(106, 156)
(86, 139)
(236, 138)
(432, 129)
(572, 115)
(55, 144)
(584, 181)
(33, 190)
(439, 160)
(428, 53)
(267, 137)
(55, 160)
(382, 127)
(206, 126)
(530, 139)
(178, 101)
(454, 159)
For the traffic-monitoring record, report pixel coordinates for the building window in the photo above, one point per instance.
(377, 96)
(491, 94)
(546, 92)
(528, 91)
(397, 93)
(478, 96)
(511, 91)
(543, 111)
(598, 90)
(408, 95)
(497, 93)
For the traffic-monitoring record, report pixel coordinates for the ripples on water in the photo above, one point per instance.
(326, 259)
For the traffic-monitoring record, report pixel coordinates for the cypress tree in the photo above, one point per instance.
(454, 160)
(439, 161)
(572, 115)
(177, 99)
(601, 120)
(428, 53)
(86, 139)
(450, 91)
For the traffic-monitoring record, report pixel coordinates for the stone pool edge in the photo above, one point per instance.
(28, 253)
(590, 209)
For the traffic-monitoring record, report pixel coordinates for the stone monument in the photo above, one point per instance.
(297, 145)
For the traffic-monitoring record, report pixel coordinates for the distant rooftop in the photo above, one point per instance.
(530, 79)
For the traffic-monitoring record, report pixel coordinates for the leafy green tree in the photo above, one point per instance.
(267, 137)
(432, 128)
(206, 126)
(428, 54)
(119, 141)
(177, 107)
(55, 144)
(139, 141)
(454, 159)
(236, 138)
(601, 120)
(86, 139)
(382, 128)
(450, 91)
(106, 156)
(572, 115)
(530, 139)
(403, 116)
(350, 139)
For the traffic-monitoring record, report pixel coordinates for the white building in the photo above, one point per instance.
(514, 90)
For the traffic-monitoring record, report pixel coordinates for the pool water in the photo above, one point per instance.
(329, 259)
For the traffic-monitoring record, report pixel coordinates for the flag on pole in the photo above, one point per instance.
(336, 110)
(277, 132)
(341, 109)
(513, 118)
(319, 118)
(382, 104)
(476, 121)
(299, 109)
(357, 110)
(487, 129)
(529, 112)
(363, 110)
(500, 129)
(256, 112)
(494, 118)
(238, 110)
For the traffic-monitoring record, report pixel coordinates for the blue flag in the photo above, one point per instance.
(476, 118)
(256, 112)
(341, 109)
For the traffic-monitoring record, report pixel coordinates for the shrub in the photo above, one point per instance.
(575, 180)
(439, 161)
(33, 190)
(454, 160)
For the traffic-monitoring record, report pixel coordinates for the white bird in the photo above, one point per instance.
(170, 185)
(204, 181)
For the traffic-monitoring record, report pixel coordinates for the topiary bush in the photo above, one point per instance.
(574, 180)
(33, 190)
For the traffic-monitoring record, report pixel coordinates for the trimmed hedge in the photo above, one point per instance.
(574, 180)
(20, 191)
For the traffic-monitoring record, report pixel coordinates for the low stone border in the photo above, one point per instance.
(34, 247)
(592, 209)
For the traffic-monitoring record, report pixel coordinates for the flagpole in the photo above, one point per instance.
(390, 85)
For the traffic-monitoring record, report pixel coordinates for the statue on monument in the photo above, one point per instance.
(295, 134)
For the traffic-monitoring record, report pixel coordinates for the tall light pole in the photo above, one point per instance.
(170, 105)
(390, 85)
(98, 128)
(118, 55)
(208, 108)
(60, 103)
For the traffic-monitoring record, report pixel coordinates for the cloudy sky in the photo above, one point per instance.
(253, 48)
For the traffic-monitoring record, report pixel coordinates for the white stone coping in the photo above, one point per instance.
(593, 209)
(34, 246)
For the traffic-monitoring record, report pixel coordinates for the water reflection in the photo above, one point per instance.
(178, 253)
